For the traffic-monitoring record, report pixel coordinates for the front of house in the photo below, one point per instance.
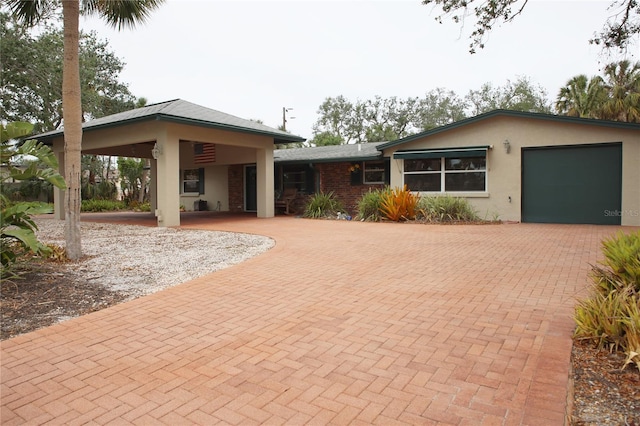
(509, 165)
(512, 166)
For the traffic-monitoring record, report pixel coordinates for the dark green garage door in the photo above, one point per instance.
(573, 184)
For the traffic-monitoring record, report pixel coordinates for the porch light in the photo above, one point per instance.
(507, 146)
(156, 151)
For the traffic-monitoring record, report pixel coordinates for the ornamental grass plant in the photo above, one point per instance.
(610, 316)
(370, 203)
(445, 208)
(323, 205)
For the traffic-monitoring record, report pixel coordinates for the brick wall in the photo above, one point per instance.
(334, 177)
(337, 177)
(236, 188)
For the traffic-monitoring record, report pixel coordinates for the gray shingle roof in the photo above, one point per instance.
(328, 154)
(181, 111)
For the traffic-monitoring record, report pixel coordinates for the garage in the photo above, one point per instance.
(572, 184)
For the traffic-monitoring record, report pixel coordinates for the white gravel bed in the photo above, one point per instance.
(140, 260)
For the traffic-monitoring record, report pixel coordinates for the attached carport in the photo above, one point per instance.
(167, 134)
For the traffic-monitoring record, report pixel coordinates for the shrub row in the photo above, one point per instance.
(98, 205)
(396, 205)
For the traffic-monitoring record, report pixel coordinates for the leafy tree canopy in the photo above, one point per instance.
(32, 76)
(385, 119)
(617, 32)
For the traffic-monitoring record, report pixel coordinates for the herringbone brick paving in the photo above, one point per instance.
(340, 323)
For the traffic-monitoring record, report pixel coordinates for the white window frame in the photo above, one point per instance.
(443, 172)
(184, 181)
(366, 167)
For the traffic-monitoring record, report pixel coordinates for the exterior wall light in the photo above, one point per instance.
(507, 146)
(156, 151)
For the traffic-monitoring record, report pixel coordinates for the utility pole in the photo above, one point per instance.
(285, 110)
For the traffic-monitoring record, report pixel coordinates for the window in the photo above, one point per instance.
(464, 174)
(374, 172)
(193, 181)
(299, 177)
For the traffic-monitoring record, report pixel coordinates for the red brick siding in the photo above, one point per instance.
(236, 188)
(336, 177)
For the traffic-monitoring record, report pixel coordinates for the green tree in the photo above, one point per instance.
(17, 228)
(131, 175)
(438, 108)
(326, 139)
(116, 13)
(622, 81)
(520, 95)
(618, 31)
(32, 76)
(582, 97)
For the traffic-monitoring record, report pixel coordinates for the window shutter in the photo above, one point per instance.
(309, 181)
(356, 175)
(387, 171)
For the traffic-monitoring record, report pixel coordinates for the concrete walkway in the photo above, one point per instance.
(340, 323)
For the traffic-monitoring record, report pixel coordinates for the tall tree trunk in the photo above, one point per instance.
(72, 116)
(143, 180)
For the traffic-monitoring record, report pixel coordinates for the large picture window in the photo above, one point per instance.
(464, 174)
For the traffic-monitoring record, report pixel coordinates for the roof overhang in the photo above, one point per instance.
(278, 138)
(512, 114)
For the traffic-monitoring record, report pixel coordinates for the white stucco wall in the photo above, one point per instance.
(176, 140)
(504, 169)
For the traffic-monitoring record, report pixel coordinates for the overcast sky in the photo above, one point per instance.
(252, 58)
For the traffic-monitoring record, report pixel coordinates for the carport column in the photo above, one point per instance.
(265, 188)
(58, 194)
(168, 179)
(153, 185)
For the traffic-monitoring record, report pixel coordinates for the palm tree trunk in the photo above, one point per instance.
(72, 116)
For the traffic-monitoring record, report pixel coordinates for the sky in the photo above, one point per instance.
(254, 58)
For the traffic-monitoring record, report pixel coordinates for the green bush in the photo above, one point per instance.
(102, 205)
(370, 203)
(446, 208)
(323, 205)
(610, 316)
(137, 206)
(17, 228)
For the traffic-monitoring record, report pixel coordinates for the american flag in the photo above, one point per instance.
(204, 153)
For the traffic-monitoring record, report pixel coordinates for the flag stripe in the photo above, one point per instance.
(204, 153)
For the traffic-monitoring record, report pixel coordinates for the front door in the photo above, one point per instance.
(250, 189)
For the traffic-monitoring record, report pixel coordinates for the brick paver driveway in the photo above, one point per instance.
(340, 323)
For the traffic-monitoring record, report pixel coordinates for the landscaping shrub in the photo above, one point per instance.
(98, 205)
(370, 203)
(446, 208)
(399, 204)
(323, 205)
(137, 206)
(17, 228)
(610, 316)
